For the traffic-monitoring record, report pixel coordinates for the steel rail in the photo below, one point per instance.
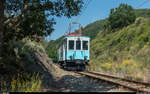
(130, 84)
(97, 73)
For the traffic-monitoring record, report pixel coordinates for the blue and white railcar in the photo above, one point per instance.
(73, 52)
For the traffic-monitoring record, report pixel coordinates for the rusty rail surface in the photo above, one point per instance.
(130, 84)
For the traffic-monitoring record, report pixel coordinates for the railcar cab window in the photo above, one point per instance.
(78, 45)
(71, 44)
(85, 45)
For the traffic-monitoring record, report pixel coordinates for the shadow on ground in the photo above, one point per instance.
(70, 83)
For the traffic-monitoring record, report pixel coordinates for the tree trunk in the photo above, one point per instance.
(2, 6)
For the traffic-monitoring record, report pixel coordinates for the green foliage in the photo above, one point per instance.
(131, 43)
(121, 40)
(35, 18)
(121, 16)
(20, 55)
(24, 83)
(52, 48)
(142, 12)
(34, 25)
(92, 29)
(45, 43)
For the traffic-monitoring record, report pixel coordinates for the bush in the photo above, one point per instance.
(24, 83)
(20, 55)
(121, 16)
(106, 66)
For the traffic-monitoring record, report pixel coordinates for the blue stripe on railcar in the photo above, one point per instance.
(77, 54)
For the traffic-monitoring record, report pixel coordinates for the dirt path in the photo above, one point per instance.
(70, 82)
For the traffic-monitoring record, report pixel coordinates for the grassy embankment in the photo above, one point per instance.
(20, 68)
(124, 52)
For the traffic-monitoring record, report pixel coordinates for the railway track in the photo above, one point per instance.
(129, 84)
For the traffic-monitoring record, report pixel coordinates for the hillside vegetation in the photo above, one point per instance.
(51, 48)
(94, 28)
(125, 51)
(142, 12)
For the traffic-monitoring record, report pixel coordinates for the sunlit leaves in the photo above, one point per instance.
(121, 16)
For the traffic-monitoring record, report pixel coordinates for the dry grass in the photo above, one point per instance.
(30, 83)
(124, 52)
(129, 69)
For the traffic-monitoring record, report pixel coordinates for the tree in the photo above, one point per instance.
(2, 4)
(29, 17)
(121, 16)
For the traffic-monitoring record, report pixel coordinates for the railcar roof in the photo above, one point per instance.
(72, 36)
(75, 36)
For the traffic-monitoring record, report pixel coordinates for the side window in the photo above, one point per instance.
(65, 44)
(71, 44)
(85, 45)
(78, 45)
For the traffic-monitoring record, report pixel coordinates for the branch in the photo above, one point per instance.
(16, 20)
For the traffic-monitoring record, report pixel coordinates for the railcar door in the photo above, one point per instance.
(64, 49)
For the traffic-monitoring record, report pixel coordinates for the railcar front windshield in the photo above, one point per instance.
(71, 44)
(78, 45)
(85, 45)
